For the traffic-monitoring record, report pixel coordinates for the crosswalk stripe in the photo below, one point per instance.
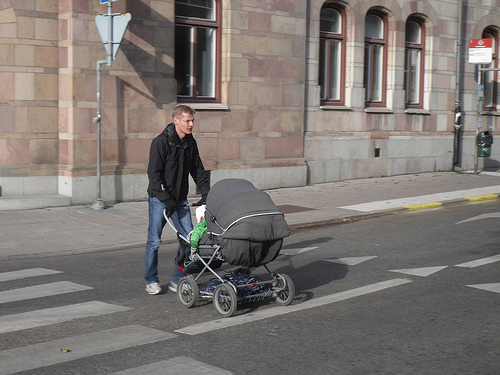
(22, 274)
(49, 353)
(38, 318)
(174, 366)
(479, 262)
(204, 327)
(43, 290)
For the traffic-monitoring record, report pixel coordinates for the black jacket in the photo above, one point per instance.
(170, 163)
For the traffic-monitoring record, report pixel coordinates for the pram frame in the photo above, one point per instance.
(188, 293)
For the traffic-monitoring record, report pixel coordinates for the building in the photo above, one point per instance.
(286, 92)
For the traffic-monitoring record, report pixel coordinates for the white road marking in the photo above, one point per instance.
(204, 327)
(43, 290)
(495, 287)
(423, 271)
(49, 353)
(175, 366)
(37, 318)
(296, 251)
(22, 274)
(479, 262)
(492, 215)
(439, 197)
(351, 261)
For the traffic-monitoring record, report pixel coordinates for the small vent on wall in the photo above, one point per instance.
(377, 152)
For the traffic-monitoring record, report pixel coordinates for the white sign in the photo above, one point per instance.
(106, 1)
(480, 51)
(119, 22)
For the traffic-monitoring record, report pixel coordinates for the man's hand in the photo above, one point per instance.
(170, 205)
(202, 201)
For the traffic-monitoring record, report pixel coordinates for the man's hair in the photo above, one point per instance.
(180, 109)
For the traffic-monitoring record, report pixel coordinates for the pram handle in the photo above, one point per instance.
(196, 204)
(168, 214)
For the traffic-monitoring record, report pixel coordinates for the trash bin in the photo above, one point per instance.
(484, 141)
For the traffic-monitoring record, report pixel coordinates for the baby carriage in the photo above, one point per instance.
(246, 230)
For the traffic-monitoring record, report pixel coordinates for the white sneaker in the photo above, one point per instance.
(153, 288)
(172, 287)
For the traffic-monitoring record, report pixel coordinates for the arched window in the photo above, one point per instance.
(331, 55)
(489, 78)
(197, 50)
(375, 59)
(414, 62)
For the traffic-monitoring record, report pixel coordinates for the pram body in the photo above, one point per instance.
(244, 229)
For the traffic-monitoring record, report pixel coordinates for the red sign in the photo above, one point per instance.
(481, 43)
(480, 51)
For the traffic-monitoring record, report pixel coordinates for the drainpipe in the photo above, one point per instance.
(458, 90)
(306, 81)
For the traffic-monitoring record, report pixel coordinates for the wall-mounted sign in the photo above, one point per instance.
(480, 51)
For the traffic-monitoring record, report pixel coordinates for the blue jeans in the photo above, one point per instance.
(181, 219)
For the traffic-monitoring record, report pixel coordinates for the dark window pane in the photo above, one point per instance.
(184, 60)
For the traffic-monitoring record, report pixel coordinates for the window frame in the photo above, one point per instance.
(196, 23)
(409, 47)
(371, 43)
(493, 33)
(327, 37)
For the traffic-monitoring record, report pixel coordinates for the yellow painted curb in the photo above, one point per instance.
(482, 197)
(423, 206)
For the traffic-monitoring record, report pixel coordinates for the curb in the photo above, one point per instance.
(429, 205)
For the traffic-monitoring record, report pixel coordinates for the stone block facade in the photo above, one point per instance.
(270, 125)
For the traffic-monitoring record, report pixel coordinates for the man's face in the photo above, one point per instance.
(184, 124)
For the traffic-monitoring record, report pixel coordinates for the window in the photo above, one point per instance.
(489, 78)
(414, 63)
(197, 50)
(375, 59)
(331, 55)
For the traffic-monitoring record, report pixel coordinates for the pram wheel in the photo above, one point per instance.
(187, 291)
(225, 300)
(285, 289)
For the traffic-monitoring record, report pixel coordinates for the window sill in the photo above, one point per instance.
(378, 110)
(207, 106)
(490, 113)
(335, 108)
(416, 111)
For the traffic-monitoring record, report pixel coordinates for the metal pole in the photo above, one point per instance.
(99, 204)
(480, 93)
(110, 32)
(458, 90)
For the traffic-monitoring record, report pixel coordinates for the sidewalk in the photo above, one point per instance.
(80, 229)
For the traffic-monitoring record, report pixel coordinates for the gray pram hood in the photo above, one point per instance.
(246, 222)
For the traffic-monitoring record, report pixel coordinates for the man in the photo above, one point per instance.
(172, 157)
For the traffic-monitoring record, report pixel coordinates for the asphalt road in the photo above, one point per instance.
(411, 293)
